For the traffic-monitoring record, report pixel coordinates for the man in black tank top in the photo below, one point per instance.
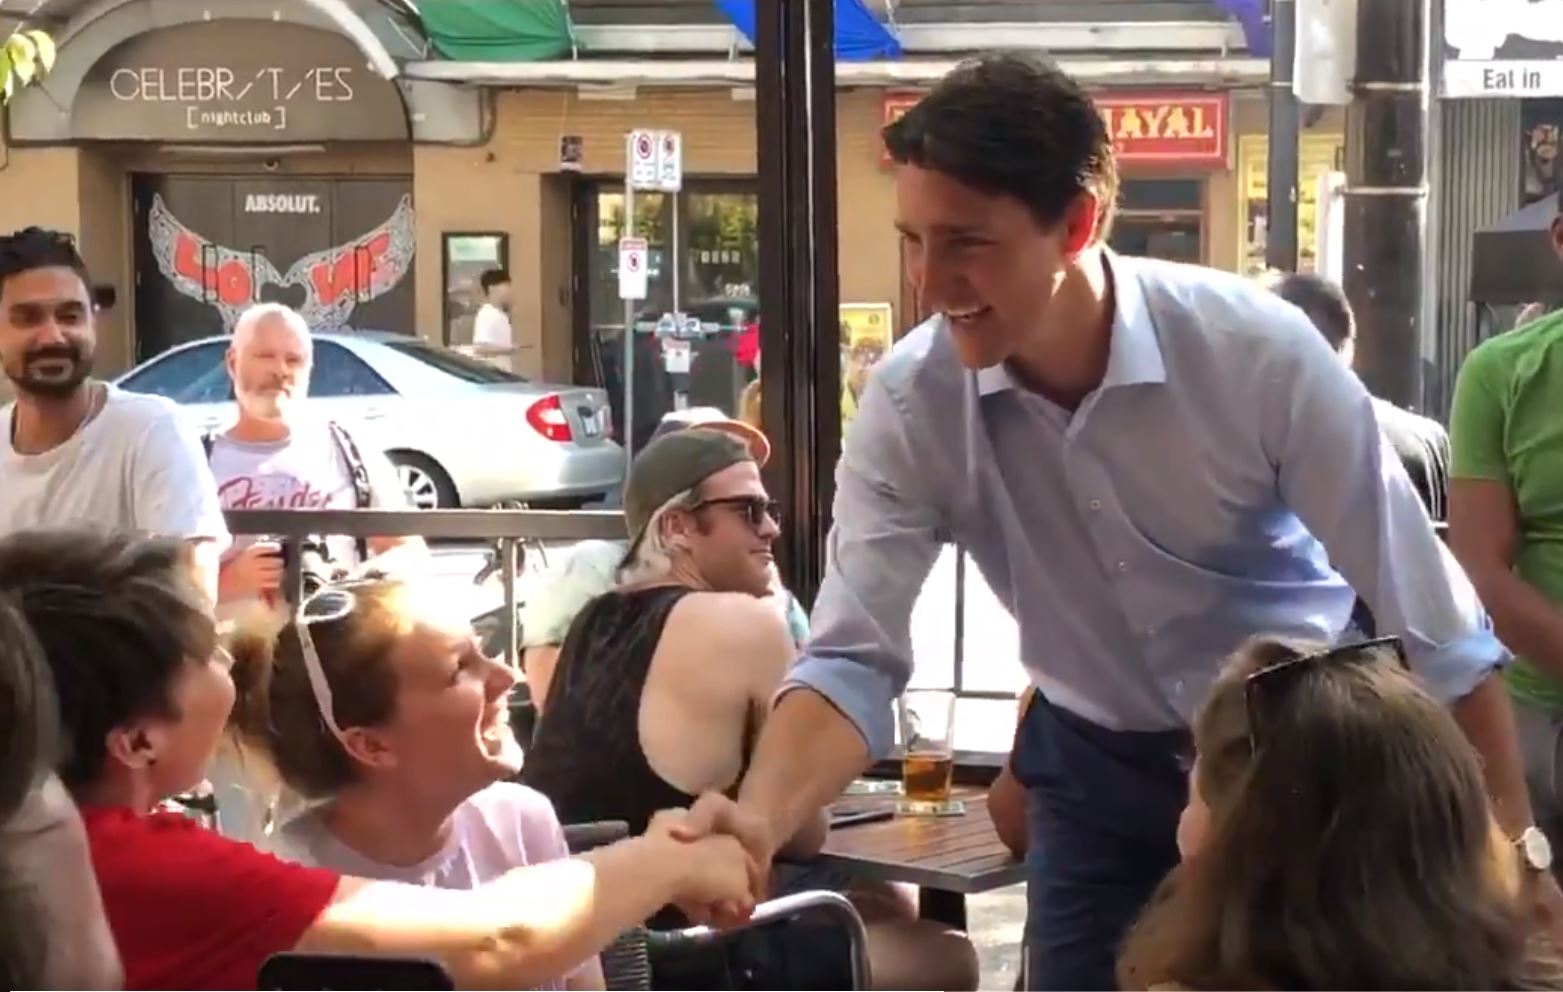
(662, 683)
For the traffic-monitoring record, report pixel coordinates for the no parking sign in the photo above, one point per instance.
(633, 263)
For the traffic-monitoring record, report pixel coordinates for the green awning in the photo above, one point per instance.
(498, 30)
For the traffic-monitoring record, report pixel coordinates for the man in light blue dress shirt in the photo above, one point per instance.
(1148, 462)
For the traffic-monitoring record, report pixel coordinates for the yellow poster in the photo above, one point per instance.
(867, 330)
(1316, 155)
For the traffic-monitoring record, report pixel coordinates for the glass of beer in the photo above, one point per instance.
(927, 723)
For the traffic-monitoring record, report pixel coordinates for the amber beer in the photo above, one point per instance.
(926, 776)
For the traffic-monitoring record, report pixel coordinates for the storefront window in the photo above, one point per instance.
(721, 287)
(1173, 238)
(1317, 155)
(466, 258)
(1161, 218)
(717, 254)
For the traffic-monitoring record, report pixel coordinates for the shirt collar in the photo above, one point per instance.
(1134, 354)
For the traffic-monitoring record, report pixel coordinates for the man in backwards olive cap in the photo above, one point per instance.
(651, 698)
(592, 568)
(663, 682)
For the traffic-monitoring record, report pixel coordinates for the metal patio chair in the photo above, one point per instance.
(626, 964)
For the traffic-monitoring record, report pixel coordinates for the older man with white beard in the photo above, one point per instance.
(278, 455)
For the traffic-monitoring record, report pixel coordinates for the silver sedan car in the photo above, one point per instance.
(460, 431)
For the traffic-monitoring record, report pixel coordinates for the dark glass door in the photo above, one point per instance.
(717, 255)
(341, 251)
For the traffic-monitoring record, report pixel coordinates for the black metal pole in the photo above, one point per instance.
(1281, 180)
(800, 334)
(1386, 195)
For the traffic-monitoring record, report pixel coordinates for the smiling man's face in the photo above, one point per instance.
(983, 261)
(46, 334)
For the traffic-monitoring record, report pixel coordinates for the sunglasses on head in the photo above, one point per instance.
(329, 604)
(1266, 691)
(755, 510)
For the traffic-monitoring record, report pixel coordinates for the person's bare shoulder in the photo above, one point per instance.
(713, 626)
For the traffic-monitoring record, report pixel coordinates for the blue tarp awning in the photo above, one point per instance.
(1256, 26)
(859, 35)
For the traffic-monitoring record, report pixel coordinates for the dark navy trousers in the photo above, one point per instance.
(1102, 811)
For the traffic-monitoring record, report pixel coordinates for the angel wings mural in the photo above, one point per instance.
(335, 281)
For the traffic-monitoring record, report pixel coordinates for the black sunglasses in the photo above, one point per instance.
(1265, 691)
(756, 510)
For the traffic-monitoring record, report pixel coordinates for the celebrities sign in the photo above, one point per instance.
(237, 81)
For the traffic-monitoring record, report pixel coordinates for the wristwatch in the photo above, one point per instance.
(1535, 849)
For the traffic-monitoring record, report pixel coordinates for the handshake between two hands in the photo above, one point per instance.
(730, 872)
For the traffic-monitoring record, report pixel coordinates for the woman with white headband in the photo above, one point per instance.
(377, 706)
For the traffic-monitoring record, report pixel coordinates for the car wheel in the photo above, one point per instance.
(427, 485)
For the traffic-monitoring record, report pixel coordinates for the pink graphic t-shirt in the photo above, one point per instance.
(306, 471)
(502, 827)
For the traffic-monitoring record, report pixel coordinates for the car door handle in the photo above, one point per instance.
(374, 415)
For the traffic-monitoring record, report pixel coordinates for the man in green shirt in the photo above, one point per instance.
(1506, 525)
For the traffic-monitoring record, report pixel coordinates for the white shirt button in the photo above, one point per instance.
(1123, 566)
(1095, 504)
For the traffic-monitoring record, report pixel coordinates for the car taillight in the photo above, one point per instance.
(547, 418)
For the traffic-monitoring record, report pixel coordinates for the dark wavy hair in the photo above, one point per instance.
(38, 248)
(1355, 849)
(1011, 125)
(117, 617)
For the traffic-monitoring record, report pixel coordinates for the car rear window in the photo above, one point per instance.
(454, 363)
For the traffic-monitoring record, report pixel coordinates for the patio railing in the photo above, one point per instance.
(510, 528)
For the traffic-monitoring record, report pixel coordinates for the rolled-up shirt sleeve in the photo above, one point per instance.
(881, 549)
(1335, 471)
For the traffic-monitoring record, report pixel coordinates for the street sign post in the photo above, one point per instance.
(634, 261)
(654, 162)
(670, 179)
(640, 172)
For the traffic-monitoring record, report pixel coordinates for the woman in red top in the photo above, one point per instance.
(144, 693)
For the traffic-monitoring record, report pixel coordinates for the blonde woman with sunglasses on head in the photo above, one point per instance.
(376, 704)
(145, 692)
(1338, 835)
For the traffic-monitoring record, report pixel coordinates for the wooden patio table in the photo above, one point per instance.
(947, 857)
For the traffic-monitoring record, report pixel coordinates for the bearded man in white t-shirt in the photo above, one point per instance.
(75, 450)
(278, 455)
